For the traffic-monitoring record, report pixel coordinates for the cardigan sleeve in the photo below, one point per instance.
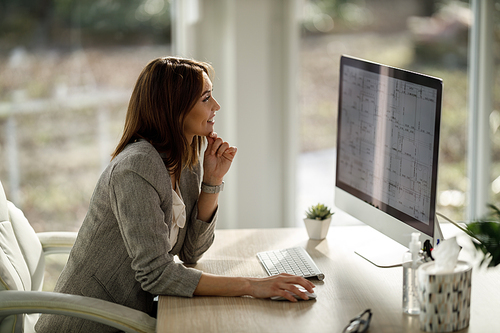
(198, 235)
(142, 206)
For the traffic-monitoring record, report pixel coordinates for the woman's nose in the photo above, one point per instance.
(217, 105)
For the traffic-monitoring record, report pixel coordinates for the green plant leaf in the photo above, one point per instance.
(318, 212)
(485, 234)
(488, 235)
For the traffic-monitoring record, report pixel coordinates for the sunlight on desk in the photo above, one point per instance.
(351, 285)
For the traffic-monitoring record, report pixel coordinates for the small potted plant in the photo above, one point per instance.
(317, 221)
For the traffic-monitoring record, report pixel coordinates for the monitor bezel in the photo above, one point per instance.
(347, 191)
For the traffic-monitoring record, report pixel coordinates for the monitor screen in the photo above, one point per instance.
(387, 147)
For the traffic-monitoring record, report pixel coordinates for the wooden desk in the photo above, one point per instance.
(351, 285)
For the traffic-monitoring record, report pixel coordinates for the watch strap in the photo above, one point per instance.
(212, 188)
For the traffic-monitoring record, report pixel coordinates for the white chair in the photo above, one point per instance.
(22, 265)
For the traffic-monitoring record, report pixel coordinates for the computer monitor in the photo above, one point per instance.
(387, 153)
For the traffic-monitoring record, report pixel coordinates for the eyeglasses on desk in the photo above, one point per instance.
(360, 323)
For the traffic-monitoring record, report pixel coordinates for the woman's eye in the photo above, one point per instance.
(207, 98)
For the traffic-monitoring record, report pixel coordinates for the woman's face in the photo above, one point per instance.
(200, 120)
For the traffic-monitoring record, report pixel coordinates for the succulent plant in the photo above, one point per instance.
(318, 212)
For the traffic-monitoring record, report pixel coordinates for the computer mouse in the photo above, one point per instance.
(310, 295)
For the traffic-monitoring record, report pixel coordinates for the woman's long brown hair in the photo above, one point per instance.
(166, 90)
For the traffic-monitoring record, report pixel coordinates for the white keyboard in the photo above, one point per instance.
(293, 260)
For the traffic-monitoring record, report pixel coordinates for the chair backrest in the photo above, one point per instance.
(22, 262)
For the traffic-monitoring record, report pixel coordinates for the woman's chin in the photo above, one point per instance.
(205, 133)
(210, 129)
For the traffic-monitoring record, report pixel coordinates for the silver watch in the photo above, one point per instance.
(212, 188)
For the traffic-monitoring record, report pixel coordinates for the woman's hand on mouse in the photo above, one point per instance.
(277, 285)
(280, 285)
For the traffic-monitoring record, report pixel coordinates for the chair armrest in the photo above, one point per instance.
(121, 317)
(57, 242)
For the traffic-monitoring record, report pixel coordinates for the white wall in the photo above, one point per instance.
(253, 46)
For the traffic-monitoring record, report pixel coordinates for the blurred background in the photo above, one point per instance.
(67, 68)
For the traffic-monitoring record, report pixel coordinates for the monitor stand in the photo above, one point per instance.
(385, 254)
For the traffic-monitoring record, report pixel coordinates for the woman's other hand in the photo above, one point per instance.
(217, 159)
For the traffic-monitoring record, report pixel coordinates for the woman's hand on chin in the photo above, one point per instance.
(217, 160)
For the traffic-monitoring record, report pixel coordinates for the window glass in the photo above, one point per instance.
(67, 69)
(429, 37)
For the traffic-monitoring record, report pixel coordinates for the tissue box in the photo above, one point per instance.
(444, 297)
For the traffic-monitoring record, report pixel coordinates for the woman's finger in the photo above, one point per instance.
(297, 280)
(297, 291)
(210, 140)
(230, 153)
(287, 295)
(212, 135)
(215, 146)
(222, 148)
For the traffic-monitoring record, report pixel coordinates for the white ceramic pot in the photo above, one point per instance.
(317, 229)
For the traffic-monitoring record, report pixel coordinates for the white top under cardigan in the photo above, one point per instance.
(178, 215)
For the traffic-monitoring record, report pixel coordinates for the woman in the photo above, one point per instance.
(147, 205)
